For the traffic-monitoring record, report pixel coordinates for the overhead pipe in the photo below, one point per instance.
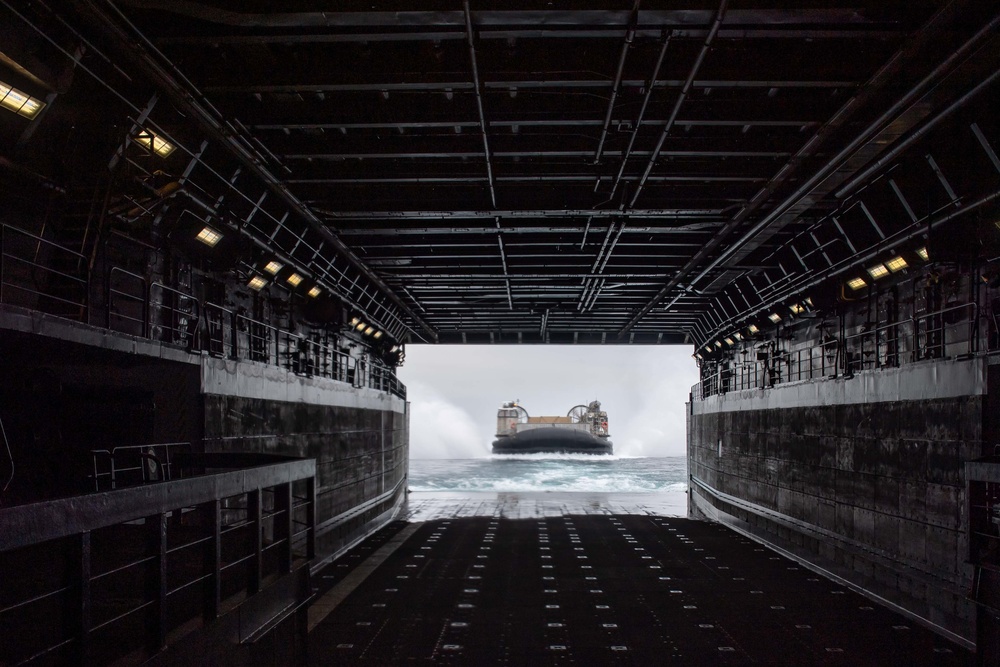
(479, 101)
(876, 125)
(629, 36)
(943, 16)
(680, 98)
(642, 114)
(902, 145)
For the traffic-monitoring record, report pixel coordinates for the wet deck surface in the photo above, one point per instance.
(574, 581)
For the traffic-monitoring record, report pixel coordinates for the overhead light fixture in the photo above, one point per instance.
(808, 301)
(797, 308)
(718, 343)
(897, 263)
(360, 326)
(737, 335)
(209, 237)
(878, 271)
(257, 283)
(753, 329)
(856, 283)
(774, 317)
(922, 254)
(315, 292)
(708, 348)
(729, 341)
(377, 335)
(294, 279)
(394, 348)
(20, 103)
(369, 330)
(697, 356)
(355, 321)
(151, 142)
(273, 267)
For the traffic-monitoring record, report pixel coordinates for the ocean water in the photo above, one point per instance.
(526, 473)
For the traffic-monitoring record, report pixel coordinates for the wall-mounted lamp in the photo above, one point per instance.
(20, 103)
(878, 271)
(151, 142)
(209, 237)
(897, 263)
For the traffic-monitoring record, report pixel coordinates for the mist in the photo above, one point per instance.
(455, 390)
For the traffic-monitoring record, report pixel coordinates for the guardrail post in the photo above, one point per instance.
(79, 611)
(156, 588)
(311, 517)
(212, 561)
(283, 529)
(254, 516)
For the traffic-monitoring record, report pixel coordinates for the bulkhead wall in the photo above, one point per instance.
(860, 476)
(358, 436)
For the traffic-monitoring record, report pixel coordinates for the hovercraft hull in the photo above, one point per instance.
(552, 441)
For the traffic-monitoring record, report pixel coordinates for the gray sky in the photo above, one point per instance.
(455, 390)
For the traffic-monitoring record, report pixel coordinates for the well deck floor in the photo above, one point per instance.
(578, 581)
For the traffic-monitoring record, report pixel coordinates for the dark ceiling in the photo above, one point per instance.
(533, 172)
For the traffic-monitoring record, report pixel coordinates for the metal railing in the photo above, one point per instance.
(172, 316)
(953, 332)
(126, 308)
(118, 576)
(135, 464)
(29, 277)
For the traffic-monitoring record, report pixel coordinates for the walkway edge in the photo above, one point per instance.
(333, 597)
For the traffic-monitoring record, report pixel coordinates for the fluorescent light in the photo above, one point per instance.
(150, 141)
(922, 254)
(729, 341)
(753, 329)
(878, 271)
(256, 283)
(369, 330)
(856, 283)
(708, 348)
(355, 320)
(20, 103)
(273, 267)
(360, 326)
(377, 335)
(294, 279)
(774, 317)
(737, 335)
(209, 236)
(697, 356)
(896, 264)
(315, 292)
